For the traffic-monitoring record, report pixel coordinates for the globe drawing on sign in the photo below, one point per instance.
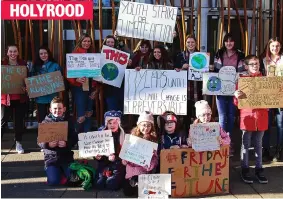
(109, 71)
(198, 61)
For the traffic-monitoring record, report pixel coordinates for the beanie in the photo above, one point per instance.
(145, 117)
(202, 107)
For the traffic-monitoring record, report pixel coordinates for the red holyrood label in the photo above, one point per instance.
(45, 10)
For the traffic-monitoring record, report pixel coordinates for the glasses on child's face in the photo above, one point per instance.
(205, 115)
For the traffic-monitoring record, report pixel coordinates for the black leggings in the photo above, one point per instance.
(42, 111)
(129, 190)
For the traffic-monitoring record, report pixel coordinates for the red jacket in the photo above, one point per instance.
(73, 81)
(253, 119)
(6, 98)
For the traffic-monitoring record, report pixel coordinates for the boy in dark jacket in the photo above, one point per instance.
(58, 154)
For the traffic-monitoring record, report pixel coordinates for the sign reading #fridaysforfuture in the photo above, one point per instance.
(83, 65)
(146, 21)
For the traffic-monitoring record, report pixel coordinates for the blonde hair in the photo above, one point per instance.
(79, 43)
(153, 137)
(57, 100)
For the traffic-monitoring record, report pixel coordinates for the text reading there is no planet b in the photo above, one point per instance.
(155, 91)
(146, 21)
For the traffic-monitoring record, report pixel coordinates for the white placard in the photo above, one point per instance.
(83, 65)
(205, 136)
(146, 21)
(113, 65)
(155, 91)
(137, 150)
(154, 185)
(222, 83)
(96, 143)
(199, 63)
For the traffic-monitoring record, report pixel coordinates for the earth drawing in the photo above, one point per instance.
(198, 61)
(109, 71)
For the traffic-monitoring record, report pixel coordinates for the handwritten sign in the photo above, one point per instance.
(261, 92)
(146, 21)
(199, 63)
(137, 150)
(222, 83)
(96, 143)
(154, 184)
(154, 197)
(54, 131)
(83, 65)
(113, 65)
(205, 136)
(155, 91)
(196, 173)
(45, 84)
(13, 79)
(273, 70)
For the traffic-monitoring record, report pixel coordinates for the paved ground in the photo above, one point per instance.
(23, 175)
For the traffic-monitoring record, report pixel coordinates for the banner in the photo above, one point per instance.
(83, 65)
(196, 173)
(45, 84)
(199, 63)
(96, 143)
(155, 91)
(137, 150)
(205, 136)
(222, 83)
(13, 79)
(146, 21)
(113, 65)
(261, 92)
(54, 131)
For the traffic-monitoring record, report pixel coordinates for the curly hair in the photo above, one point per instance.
(153, 136)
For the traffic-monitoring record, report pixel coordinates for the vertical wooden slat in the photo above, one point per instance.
(79, 28)
(40, 32)
(240, 23)
(61, 56)
(192, 18)
(113, 16)
(14, 31)
(199, 24)
(281, 21)
(32, 41)
(26, 40)
(100, 23)
(87, 27)
(259, 26)
(229, 14)
(221, 25)
(92, 33)
(19, 38)
(75, 30)
(246, 27)
(275, 18)
(172, 3)
(181, 36)
(51, 44)
(252, 28)
(183, 24)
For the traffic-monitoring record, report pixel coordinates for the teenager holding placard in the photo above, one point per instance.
(44, 64)
(159, 59)
(141, 55)
(15, 103)
(228, 55)
(83, 89)
(273, 55)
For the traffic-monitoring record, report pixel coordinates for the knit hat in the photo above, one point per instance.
(167, 116)
(145, 117)
(202, 107)
(110, 115)
(170, 118)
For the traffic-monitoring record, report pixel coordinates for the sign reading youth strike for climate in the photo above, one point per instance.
(155, 91)
(46, 10)
(146, 21)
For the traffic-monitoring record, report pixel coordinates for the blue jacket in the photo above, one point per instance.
(170, 140)
(48, 67)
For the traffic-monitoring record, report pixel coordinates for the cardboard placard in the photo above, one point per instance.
(54, 131)
(96, 143)
(155, 91)
(146, 21)
(13, 79)
(261, 92)
(199, 63)
(205, 136)
(137, 150)
(45, 84)
(83, 65)
(196, 173)
(222, 83)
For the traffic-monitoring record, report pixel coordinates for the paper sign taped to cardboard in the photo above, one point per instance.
(199, 63)
(54, 131)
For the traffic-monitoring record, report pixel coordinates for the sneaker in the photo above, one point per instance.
(246, 177)
(276, 157)
(266, 155)
(19, 148)
(260, 177)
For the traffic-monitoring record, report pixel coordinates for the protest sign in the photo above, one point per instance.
(273, 70)
(113, 65)
(205, 136)
(199, 63)
(45, 84)
(154, 197)
(13, 79)
(154, 184)
(137, 150)
(83, 65)
(222, 83)
(96, 143)
(196, 173)
(261, 92)
(146, 21)
(155, 91)
(54, 131)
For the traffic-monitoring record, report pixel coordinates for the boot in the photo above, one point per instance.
(260, 177)
(277, 154)
(266, 155)
(246, 176)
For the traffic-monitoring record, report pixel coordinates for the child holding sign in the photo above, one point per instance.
(253, 122)
(58, 154)
(111, 171)
(145, 129)
(203, 114)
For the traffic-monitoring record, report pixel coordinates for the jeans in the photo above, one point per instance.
(246, 143)
(54, 174)
(114, 98)
(42, 111)
(84, 106)
(279, 119)
(226, 111)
